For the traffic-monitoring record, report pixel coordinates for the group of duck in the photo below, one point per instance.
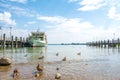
(40, 69)
(58, 75)
(37, 74)
(64, 59)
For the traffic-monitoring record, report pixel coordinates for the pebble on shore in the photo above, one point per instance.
(58, 76)
(5, 61)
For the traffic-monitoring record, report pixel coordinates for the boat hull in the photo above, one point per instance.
(35, 43)
(38, 44)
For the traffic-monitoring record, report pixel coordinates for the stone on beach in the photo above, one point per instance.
(5, 61)
(58, 76)
(37, 75)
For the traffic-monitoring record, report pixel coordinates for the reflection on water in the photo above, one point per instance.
(5, 68)
(35, 54)
(24, 55)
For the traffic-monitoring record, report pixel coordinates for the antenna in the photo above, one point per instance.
(38, 29)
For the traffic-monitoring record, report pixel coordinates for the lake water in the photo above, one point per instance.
(31, 54)
(93, 63)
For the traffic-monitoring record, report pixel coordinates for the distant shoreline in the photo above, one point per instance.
(69, 44)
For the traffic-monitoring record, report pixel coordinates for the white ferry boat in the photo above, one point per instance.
(37, 39)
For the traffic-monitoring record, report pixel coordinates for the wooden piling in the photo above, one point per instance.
(12, 44)
(4, 41)
(20, 42)
(16, 45)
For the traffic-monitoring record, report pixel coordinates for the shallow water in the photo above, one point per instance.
(93, 63)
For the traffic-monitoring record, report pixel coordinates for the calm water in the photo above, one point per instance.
(93, 63)
(29, 54)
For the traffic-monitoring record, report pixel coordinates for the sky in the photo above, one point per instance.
(63, 21)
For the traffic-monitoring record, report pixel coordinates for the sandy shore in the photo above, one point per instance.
(70, 70)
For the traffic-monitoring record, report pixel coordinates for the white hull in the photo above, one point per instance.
(37, 39)
(37, 43)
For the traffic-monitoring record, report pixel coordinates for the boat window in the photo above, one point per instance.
(41, 38)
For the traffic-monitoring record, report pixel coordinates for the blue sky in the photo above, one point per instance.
(64, 21)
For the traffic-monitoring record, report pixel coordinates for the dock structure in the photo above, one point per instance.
(12, 42)
(105, 43)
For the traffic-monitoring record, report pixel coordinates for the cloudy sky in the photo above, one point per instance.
(64, 21)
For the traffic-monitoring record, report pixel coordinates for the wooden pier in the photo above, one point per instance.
(12, 42)
(105, 43)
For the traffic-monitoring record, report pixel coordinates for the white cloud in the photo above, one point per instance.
(77, 30)
(21, 11)
(68, 30)
(6, 17)
(20, 1)
(112, 14)
(91, 5)
(54, 19)
(31, 22)
(72, 0)
(17, 10)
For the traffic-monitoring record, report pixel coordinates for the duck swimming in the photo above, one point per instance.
(64, 59)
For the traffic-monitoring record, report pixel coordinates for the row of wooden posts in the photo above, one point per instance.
(105, 43)
(11, 42)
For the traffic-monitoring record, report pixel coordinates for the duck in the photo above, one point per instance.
(57, 68)
(57, 54)
(41, 57)
(15, 73)
(64, 59)
(39, 68)
(25, 55)
(79, 53)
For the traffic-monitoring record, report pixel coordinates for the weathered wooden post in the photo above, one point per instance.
(12, 44)
(23, 42)
(4, 41)
(16, 45)
(108, 43)
(118, 42)
(104, 43)
(20, 42)
(113, 43)
(101, 42)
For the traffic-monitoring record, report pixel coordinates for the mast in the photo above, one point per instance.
(38, 29)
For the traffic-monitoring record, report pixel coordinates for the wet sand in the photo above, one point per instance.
(70, 70)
